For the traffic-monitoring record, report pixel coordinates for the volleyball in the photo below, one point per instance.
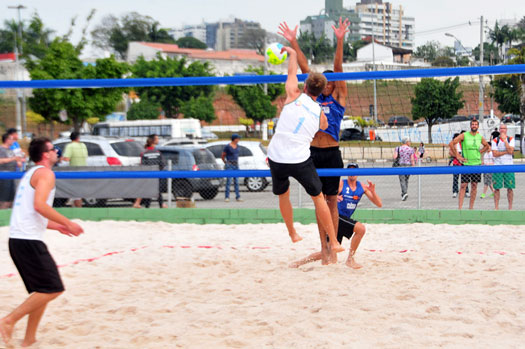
(274, 55)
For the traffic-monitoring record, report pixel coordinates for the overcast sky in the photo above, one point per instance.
(433, 18)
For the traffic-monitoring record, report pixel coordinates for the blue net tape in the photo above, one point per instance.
(433, 170)
(258, 79)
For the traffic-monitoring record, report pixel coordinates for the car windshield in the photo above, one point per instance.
(263, 148)
(203, 156)
(127, 148)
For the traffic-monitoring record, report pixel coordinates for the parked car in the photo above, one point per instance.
(252, 156)
(191, 158)
(184, 141)
(103, 151)
(510, 118)
(207, 134)
(400, 120)
(351, 134)
(459, 118)
(107, 151)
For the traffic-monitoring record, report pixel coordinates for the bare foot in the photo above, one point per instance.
(295, 237)
(332, 257)
(164, 206)
(353, 264)
(336, 247)
(136, 206)
(27, 343)
(325, 256)
(6, 330)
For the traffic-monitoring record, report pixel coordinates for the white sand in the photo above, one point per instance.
(237, 296)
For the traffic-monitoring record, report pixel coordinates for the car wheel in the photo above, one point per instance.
(182, 189)
(209, 194)
(91, 202)
(255, 183)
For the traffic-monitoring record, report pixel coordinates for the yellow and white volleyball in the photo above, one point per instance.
(274, 55)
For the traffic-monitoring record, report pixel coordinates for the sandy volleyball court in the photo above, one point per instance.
(160, 285)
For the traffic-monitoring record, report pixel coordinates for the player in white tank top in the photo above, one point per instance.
(32, 214)
(289, 151)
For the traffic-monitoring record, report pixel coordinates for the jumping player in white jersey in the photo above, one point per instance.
(289, 151)
(32, 214)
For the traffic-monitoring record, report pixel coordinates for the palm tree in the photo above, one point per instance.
(498, 36)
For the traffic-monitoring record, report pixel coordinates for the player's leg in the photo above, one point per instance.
(359, 232)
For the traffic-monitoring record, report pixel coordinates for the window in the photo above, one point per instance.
(171, 155)
(165, 131)
(127, 148)
(263, 148)
(243, 151)
(93, 149)
(203, 156)
(216, 150)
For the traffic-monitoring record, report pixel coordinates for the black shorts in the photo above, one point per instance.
(470, 177)
(345, 228)
(7, 190)
(36, 266)
(328, 158)
(304, 172)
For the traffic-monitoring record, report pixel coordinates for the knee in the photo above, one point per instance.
(53, 295)
(360, 229)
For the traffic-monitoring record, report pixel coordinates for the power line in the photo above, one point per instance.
(442, 29)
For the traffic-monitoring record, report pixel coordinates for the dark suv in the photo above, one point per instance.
(400, 120)
(191, 158)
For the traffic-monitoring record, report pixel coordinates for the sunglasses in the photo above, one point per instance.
(55, 149)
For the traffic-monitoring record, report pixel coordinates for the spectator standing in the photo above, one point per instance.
(76, 153)
(471, 145)
(15, 147)
(488, 160)
(421, 150)
(152, 157)
(503, 151)
(405, 154)
(8, 162)
(230, 157)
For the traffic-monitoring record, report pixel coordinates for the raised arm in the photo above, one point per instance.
(370, 192)
(291, 36)
(341, 91)
(292, 84)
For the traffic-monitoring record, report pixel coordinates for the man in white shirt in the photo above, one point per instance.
(503, 150)
(289, 153)
(32, 214)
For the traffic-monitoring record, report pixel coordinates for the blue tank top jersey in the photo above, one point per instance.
(334, 113)
(350, 200)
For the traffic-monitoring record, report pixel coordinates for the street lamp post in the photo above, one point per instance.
(459, 41)
(20, 111)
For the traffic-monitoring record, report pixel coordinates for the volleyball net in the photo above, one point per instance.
(433, 180)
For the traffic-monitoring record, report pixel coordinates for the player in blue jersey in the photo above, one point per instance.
(350, 193)
(325, 145)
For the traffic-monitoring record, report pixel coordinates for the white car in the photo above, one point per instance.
(252, 156)
(107, 151)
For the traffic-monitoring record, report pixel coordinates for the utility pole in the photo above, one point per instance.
(20, 105)
(481, 109)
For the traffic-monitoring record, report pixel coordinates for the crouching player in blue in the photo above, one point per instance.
(350, 193)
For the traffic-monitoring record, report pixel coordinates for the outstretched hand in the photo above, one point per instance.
(342, 29)
(370, 187)
(72, 230)
(286, 32)
(288, 49)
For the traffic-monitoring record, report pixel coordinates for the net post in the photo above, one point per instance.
(169, 183)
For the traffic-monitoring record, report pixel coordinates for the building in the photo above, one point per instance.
(196, 31)
(388, 24)
(229, 62)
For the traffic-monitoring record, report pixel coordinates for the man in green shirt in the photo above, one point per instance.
(76, 153)
(471, 152)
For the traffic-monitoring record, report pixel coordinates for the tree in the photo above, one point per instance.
(428, 51)
(115, 34)
(498, 36)
(191, 42)
(254, 39)
(318, 50)
(435, 99)
(144, 110)
(36, 38)
(256, 104)
(443, 61)
(509, 90)
(172, 98)
(199, 108)
(61, 61)
(490, 53)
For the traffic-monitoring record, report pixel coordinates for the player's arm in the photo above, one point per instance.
(340, 191)
(341, 91)
(291, 36)
(292, 84)
(370, 192)
(43, 181)
(452, 147)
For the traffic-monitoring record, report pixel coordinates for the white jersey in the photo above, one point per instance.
(26, 223)
(499, 145)
(298, 123)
